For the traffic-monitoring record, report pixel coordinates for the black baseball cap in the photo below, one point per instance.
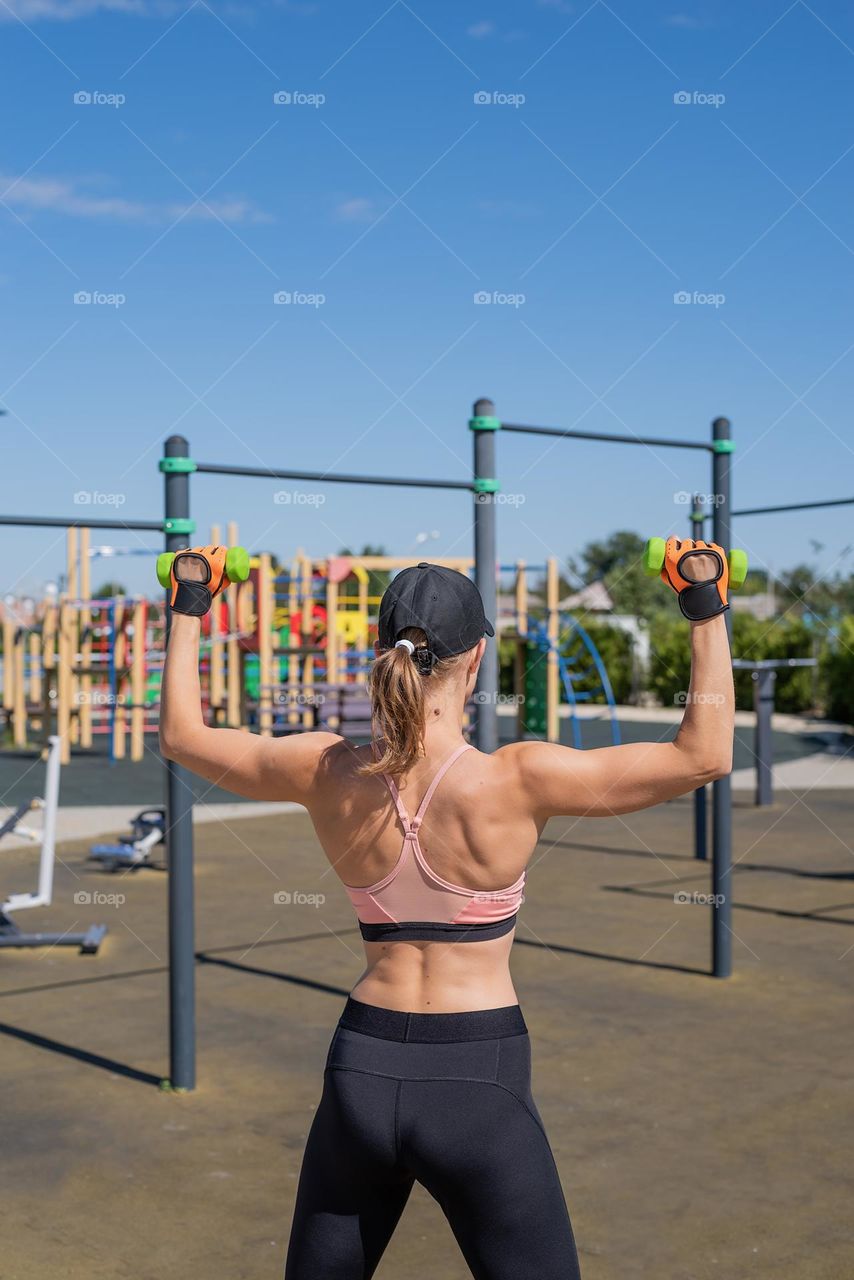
(446, 605)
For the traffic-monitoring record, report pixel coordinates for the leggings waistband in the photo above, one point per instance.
(432, 1028)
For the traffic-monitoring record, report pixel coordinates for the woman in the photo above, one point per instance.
(428, 1074)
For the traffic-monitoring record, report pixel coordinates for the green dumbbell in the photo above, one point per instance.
(655, 550)
(236, 566)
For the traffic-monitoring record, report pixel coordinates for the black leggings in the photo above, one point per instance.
(443, 1099)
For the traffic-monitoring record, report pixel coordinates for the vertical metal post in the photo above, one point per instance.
(484, 425)
(701, 825)
(763, 700)
(176, 468)
(697, 527)
(722, 789)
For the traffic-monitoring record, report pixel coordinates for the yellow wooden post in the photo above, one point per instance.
(233, 646)
(20, 707)
(552, 666)
(265, 645)
(521, 602)
(294, 616)
(216, 662)
(307, 682)
(73, 622)
(120, 664)
(64, 682)
(137, 681)
(84, 711)
(8, 660)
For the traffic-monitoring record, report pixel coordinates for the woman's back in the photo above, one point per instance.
(464, 862)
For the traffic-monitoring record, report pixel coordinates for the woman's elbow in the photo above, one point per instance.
(717, 766)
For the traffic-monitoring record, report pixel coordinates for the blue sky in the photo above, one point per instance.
(581, 197)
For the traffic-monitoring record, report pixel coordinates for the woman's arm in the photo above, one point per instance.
(260, 768)
(611, 780)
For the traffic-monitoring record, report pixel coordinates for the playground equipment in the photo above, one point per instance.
(11, 935)
(553, 651)
(148, 830)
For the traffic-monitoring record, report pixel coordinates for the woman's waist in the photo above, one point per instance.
(438, 977)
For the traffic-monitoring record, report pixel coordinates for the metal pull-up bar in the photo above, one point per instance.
(795, 506)
(330, 477)
(609, 438)
(79, 522)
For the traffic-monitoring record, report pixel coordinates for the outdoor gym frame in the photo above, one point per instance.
(177, 467)
(485, 426)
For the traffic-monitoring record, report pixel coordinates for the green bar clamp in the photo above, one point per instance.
(698, 518)
(179, 465)
(179, 524)
(723, 446)
(484, 424)
(482, 485)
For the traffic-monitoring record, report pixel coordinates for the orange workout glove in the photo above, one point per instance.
(197, 576)
(697, 600)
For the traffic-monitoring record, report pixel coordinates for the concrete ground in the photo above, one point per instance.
(701, 1128)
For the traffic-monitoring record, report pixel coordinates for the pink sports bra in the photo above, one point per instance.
(413, 904)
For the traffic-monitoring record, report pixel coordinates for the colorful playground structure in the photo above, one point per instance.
(287, 649)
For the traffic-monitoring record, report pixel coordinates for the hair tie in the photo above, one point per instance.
(405, 644)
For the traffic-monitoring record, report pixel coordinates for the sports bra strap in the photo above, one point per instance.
(398, 803)
(412, 824)
(443, 769)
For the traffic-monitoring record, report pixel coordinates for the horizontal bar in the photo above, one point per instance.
(77, 522)
(331, 477)
(771, 664)
(611, 439)
(795, 506)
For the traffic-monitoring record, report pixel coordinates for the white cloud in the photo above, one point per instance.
(69, 10)
(480, 30)
(359, 209)
(70, 198)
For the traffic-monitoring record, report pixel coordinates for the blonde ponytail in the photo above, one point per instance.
(396, 687)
